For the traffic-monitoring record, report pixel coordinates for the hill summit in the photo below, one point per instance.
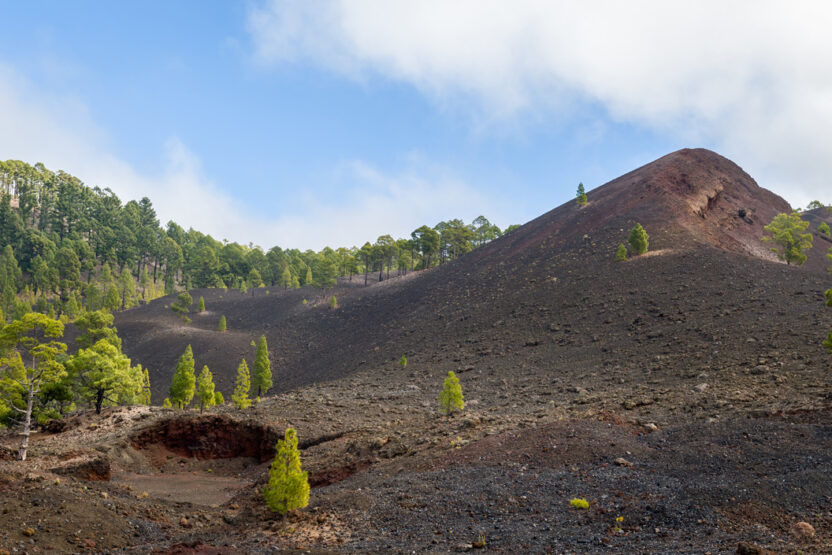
(691, 196)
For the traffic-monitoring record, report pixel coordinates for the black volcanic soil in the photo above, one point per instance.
(699, 364)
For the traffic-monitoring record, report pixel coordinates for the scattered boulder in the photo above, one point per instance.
(621, 461)
(803, 531)
(700, 388)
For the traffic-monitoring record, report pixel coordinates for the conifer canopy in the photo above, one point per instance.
(288, 487)
(450, 399)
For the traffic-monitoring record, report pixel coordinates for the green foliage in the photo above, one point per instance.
(403, 361)
(333, 303)
(166, 404)
(789, 232)
(261, 381)
(254, 278)
(127, 289)
(815, 204)
(95, 326)
(103, 375)
(112, 300)
(219, 400)
(579, 503)
(580, 196)
(639, 240)
(450, 399)
(205, 393)
(621, 253)
(824, 228)
(288, 487)
(145, 395)
(242, 387)
(182, 304)
(33, 335)
(200, 307)
(183, 382)
(60, 236)
(221, 325)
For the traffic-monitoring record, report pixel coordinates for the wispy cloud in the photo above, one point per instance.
(752, 80)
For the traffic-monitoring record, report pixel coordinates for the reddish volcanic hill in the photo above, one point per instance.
(688, 197)
(546, 301)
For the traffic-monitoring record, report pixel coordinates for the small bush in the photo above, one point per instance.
(639, 240)
(579, 503)
(621, 253)
(221, 325)
(450, 399)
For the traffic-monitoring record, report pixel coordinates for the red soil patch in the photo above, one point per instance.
(208, 437)
(334, 475)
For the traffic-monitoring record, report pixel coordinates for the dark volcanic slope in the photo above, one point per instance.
(547, 299)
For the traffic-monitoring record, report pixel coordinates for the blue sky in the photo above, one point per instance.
(307, 124)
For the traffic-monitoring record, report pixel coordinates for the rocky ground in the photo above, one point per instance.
(390, 473)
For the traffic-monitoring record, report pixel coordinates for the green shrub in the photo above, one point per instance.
(639, 240)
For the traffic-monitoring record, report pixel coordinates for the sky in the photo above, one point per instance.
(311, 123)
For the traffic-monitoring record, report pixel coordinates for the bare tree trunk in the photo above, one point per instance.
(27, 424)
(99, 401)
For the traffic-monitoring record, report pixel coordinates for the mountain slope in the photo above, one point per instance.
(544, 302)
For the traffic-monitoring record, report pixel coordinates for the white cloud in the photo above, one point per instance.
(60, 132)
(383, 203)
(751, 79)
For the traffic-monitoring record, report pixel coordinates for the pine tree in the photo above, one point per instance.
(580, 196)
(182, 304)
(201, 305)
(288, 487)
(145, 398)
(308, 280)
(639, 240)
(219, 400)
(450, 399)
(182, 385)
(205, 389)
(34, 335)
(221, 326)
(788, 231)
(621, 253)
(166, 403)
(112, 300)
(261, 381)
(243, 386)
(403, 361)
(103, 373)
(333, 303)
